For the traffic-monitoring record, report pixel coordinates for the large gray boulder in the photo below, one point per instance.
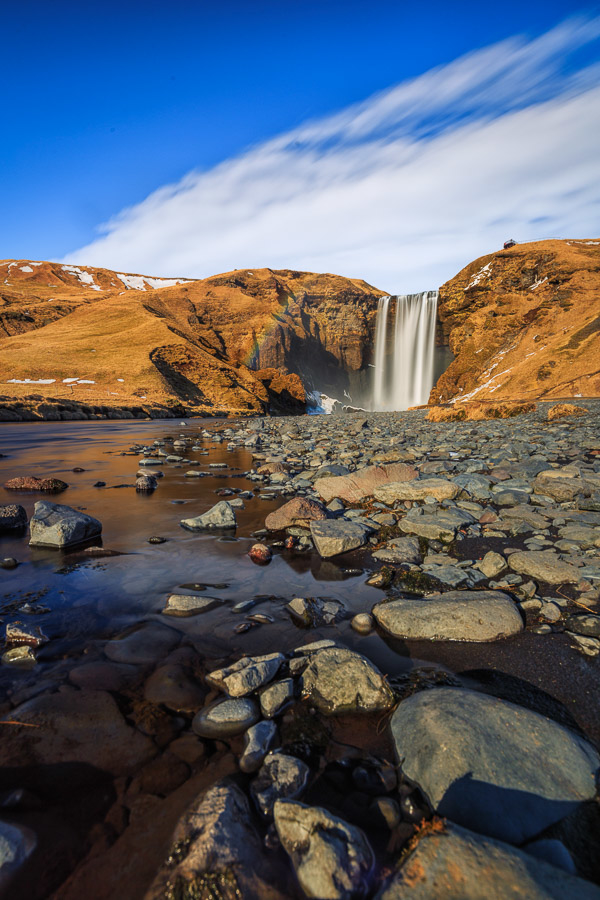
(12, 517)
(492, 766)
(217, 851)
(331, 858)
(454, 616)
(53, 525)
(221, 515)
(338, 680)
(452, 863)
(334, 536)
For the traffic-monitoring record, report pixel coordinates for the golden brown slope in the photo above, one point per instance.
(227, 343)
(524, 323)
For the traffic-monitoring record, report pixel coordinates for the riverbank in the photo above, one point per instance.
(471, 555)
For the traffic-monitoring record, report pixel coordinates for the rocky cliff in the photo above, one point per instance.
(523, 323)
(244, 341)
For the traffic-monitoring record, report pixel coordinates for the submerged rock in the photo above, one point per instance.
(12, 518)
(331, 858)
(490, 765)
(53, 525)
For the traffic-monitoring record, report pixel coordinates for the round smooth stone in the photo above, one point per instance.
(226, 718)
(362, 623)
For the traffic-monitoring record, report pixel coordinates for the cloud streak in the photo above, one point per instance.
(402, 189)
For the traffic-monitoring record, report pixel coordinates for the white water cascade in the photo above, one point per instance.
(403, 364)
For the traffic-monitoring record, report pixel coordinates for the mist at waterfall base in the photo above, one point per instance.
(403, 357)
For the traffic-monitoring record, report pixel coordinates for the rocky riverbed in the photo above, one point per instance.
(344, 656)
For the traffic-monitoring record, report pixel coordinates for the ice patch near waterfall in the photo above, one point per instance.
(319, 403)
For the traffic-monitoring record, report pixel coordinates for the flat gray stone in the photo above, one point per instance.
(453, 616)
(189, 604)
(420, 489)
(543, 565)
(276, 697)
(400, 550)
(333, 536)
(331, 858)
(491, 565)
(222, 515)
(456, 864)
(54, 525)
(337, 680)
(489, 765)
(226, 718)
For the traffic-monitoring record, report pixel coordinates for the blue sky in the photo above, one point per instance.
(106, 105)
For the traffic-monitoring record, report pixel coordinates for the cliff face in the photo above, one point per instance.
(244, 341)
(523, 323)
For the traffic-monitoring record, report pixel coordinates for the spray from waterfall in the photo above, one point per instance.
(403, 374)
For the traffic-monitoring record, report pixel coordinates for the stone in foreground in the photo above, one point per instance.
(331, 858)
(334, 536)
(489, 765)
(455, 864)
(221, 515)
(217, 851)
(226, 718)
(454, 616)
(246, 675)
(338, 680)
(53, 525)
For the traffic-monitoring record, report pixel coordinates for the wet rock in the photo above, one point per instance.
(102, 675)
(450, 862)
(188, 605)
(217, 851)
(257, 743)
(30, 635)
(246, 675)
(299, 511)
(543, 565)
(588, 625)
(12, 518)
(74, 726)
(420, 489)
(9, 562)
(221, 515)
(147, 644)
(261, 554)
(312, 611)
(53, 525)
(146, 484)
(453, 616)
(364, 482)
(336, 536)
(362, 623)
(330, 857)
(281, 776)
(490, 765)
(156, 539)
(226, 718)
(19, 657)
(32, 483)
(17, 843)
(338, 680)
(170, 686)
(275, 698)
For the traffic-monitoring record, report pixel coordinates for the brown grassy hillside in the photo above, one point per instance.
(230, 343)
(524, 323)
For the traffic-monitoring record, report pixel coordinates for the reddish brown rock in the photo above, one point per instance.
(261, 554)
(32, 483)
(299, 511)
(364, 482)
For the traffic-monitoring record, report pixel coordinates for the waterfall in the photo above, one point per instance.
(405, 377)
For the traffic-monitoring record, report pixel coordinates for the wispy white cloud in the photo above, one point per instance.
(402, 189)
